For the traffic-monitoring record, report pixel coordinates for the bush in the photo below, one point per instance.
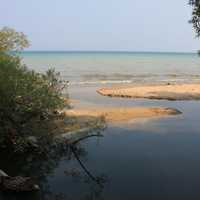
(25, 96)
(27, 99)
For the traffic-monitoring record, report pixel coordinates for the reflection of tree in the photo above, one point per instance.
(43, 165)
(96, 190)
(97, 180)
(96, 183)
(39, 165)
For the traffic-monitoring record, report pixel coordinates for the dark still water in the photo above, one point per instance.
(155, 159)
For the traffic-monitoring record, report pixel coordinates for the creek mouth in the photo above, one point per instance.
(156, 159)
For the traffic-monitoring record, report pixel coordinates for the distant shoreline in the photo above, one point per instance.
(107, 52)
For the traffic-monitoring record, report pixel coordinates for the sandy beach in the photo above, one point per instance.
(168, 91)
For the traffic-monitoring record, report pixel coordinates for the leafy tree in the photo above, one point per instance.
(10, 40)
(27, 99)
(195, 15)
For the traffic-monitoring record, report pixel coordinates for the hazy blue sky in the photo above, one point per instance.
(133, 25)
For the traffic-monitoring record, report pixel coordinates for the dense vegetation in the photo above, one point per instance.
(27, 99)
(195, 15)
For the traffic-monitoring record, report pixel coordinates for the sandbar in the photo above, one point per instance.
(159, 92)
(122, 114)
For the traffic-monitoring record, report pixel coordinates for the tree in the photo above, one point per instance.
(195, 15)
(27, 98)
(10, 40)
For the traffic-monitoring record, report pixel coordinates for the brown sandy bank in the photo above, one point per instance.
(169, 92)
(122, 114)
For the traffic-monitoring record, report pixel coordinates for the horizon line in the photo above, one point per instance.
(106, 51)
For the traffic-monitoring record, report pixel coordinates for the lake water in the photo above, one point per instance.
(117, 67)
(149, 159)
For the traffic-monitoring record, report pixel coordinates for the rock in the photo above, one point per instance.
(17, 184)
(2, 173)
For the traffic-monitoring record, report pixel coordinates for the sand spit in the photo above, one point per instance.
(168, 92)
(123, 114)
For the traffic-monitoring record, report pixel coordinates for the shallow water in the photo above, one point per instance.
(145, 159)
(150, 159)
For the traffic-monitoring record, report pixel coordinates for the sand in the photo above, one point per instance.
(169, 92)
(123, 114)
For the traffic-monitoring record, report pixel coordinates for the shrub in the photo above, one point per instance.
(26, 97)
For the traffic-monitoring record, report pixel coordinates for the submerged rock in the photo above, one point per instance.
(17, 184)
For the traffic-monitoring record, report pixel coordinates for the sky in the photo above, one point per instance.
(106, 25)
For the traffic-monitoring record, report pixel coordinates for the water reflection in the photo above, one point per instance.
(43, 168)
(158, 159)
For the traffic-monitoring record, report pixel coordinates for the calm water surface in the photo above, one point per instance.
(154, 159)
(82, 68)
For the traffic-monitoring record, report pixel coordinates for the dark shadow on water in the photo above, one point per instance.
(159, 159)
(42, 168)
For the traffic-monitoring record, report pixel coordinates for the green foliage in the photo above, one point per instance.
(195, 15)
(10, 40)
(27, 98)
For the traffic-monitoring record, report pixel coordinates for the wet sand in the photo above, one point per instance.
(159, 92)
(116, 114)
